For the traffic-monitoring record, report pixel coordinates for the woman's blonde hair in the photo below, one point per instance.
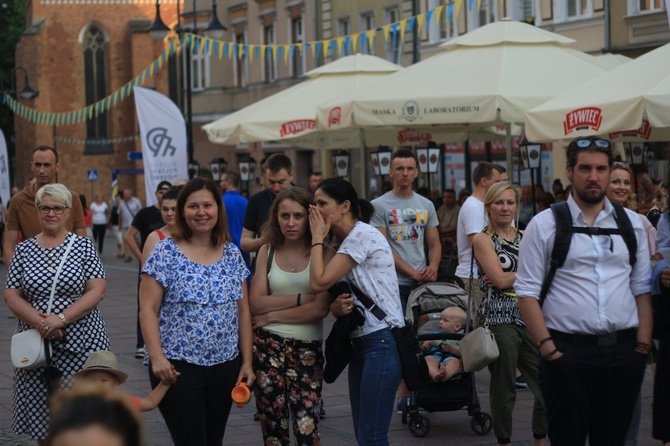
(497, 190)
(631, 203)
(57, 191)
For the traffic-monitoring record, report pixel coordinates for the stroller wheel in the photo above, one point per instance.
(481, 423)
(419, 425)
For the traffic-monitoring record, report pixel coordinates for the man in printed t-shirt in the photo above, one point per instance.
(408, 221)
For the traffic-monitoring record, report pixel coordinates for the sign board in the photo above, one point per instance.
(92, 175)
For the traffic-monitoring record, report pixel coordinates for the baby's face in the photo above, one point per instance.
(101, 378)
(448, 323)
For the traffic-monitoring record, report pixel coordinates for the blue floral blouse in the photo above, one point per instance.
(197, 319)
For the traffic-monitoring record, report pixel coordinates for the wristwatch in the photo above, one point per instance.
(62, 318)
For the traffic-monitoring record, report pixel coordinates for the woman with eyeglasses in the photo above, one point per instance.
(74, 326)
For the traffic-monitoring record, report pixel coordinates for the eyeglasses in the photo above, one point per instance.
(58, 210)
(620, 165)
(584, 143)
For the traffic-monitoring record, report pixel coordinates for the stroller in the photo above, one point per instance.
(424, 306)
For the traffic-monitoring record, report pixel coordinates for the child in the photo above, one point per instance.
(101, 368)
(443, 356)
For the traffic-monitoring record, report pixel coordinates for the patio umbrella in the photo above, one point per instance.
(290, 113)
(631, 102)
(485, 78)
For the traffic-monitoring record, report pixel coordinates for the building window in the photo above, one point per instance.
(298, 59)
(367, 22)
(344, 29)
(393, 43)
(95, 86)
(241, 63)
(641, 6)
(578, 9)
(269, 64)
(200, 79)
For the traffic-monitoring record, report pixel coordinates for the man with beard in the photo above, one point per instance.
(594, 329)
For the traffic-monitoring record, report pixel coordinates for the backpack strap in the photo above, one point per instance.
(561, 247)
(563, 238)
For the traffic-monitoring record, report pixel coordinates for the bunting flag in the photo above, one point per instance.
(341, 45)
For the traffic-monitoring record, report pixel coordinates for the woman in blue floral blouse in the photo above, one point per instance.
(195, 318)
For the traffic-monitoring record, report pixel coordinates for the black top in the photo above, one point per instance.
(258, 210)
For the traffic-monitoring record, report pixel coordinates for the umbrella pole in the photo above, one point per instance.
(508, 149)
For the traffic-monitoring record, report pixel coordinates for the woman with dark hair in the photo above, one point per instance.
(195, 318)
(168, 208)
(288, 323)
(364, 259)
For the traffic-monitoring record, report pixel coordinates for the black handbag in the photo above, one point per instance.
(414, 368)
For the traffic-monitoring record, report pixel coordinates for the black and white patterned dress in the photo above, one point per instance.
(32, 271)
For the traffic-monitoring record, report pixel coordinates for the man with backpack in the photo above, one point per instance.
(583, 284)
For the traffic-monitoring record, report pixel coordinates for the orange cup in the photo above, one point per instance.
(241, 394)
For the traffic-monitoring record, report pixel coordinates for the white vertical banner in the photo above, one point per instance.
(667, 10)
(5, 190)
(163, 136)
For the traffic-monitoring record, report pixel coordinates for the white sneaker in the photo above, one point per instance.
(139, 354)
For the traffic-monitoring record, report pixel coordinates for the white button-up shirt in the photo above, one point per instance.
(594, 291)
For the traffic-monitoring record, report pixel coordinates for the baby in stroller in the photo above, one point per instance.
(443, 356)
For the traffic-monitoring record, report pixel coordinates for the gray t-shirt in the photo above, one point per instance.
(405, 221)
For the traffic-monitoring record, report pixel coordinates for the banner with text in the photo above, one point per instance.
(5, 189)
(163, 136)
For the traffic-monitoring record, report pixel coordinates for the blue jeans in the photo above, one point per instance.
(374, 375)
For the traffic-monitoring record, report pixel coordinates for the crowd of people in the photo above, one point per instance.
(235, 291)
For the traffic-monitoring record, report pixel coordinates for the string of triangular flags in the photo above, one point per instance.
(343, 45)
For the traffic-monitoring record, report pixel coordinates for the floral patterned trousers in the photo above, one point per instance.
(289, 377)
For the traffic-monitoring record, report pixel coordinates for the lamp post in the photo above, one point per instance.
(341, 161)
(218, 166)
(214, 30)
(634, 157)
(530, 155)
(429, 159)
(381, 162)
(247, 166)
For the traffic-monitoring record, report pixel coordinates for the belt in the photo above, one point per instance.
(602, 340)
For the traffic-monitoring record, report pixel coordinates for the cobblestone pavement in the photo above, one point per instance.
(119, 310)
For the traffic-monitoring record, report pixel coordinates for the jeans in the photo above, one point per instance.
(374, 375)
(196, 407)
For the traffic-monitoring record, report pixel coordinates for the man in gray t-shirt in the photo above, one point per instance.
(408, 221)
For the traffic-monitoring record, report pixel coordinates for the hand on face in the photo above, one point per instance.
(318, 225)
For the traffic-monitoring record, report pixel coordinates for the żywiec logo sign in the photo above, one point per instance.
(407, 135)
(158, 140)
(643, 132)
(297, 126)
(582, 119)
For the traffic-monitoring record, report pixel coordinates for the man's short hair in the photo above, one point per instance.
(500, 168)
(277, 162)
(45, 149)
(589, 144)
(451, 191)
(484, 170)
(316, 173)
(404, 153)
(233, 178)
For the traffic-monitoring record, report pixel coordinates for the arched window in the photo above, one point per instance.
(95, 80)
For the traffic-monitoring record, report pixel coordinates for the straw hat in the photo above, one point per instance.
(103, 360)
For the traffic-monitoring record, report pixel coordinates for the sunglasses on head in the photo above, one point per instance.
(620, 165)
(584, 143)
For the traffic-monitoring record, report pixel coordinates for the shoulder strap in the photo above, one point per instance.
(368, 303)
(561, 247)
(271, 256)
(565, 229)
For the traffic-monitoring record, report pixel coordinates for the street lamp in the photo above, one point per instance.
(247, 166)
(341, 161)
(193, 169)
(26, 91)
(530, 155)
(634, 157)
(213, 30)
(381, 162)
(218, 166)
(429, 159)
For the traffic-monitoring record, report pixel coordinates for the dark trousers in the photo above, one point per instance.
(197, 406)
(99, 236)
(590, 392)
(661, 413)
(140, 338)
